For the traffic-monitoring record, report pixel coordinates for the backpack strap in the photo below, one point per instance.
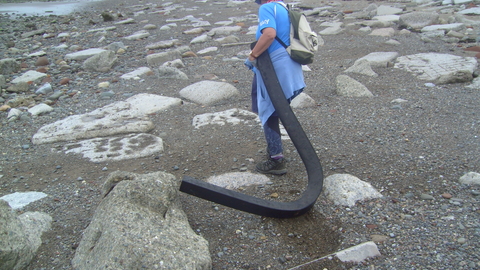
(276, 37)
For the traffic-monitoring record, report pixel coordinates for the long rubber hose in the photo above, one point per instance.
(301, 142)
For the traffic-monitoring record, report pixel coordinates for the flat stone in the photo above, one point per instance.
(209, 92)
(358, 253)
(437, 67)
(82, 55)
(29, 76)
(136, 73)
(18, 200)
(235, 180)
(131, 146)
(232, 116)
(121, 117)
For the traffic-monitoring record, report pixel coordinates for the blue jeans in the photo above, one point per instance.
(271, 129)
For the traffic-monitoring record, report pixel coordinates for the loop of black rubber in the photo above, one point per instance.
(301, 142)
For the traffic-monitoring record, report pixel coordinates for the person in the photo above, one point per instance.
(273, 21)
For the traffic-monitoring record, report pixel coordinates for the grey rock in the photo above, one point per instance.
(426, 197)
(34, 33)
(160, 58)
(138, 35)
(209, 92)
(471, 178)
(418, 20)
(200, 39)
(136, 73)
(29, 76)
(84, 54)
(303, 101)
(439, 68)
(362, 67)
(141, 221)
(349, 87)
(3, 82)
(21, 236)
(20, 87)
(117, 118)
(117, 148)
(224, 30)
(8, 66)
(13, 114)
(101, 62)
(115, 46)
(161, 45)
(171, 73)
(44, 89)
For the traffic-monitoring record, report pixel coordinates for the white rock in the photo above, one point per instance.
(209, 92)
(29, 76)
(471, 178)
(18, 200)
(358, 253)
(235, 180)
(117, 148)
(82, 55)
(346, 189)
(207, 50)
(136, 73)
(40, 109)
(232, 116)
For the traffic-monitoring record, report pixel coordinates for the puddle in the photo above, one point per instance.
(43, 8)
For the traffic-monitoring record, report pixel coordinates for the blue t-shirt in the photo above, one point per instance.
(274, 15)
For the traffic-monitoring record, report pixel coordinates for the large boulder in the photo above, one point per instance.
(20, 236)
(140, 224)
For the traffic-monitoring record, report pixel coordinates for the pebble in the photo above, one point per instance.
(447, 195)
(426, 197)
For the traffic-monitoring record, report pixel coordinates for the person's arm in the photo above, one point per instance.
(265, 40)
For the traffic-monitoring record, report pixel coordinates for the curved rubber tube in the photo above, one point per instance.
(305, 149)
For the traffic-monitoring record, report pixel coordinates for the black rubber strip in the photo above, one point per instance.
(301, 142)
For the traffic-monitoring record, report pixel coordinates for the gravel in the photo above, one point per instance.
(413, 153)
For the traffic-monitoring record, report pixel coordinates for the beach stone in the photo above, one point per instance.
(418, 20)
(348, 87)
(303, 101)
(209, 92)
(29, 76)
(165, 72)
(84, 54)
(359, 253)
(130, 146)
(40, 109)
(439, 68)
(136, 73)
(346, 189)
(471, 178)
(144, 214)
(236, 180)
(231, 116)
(117, 118)
(101, 62)
(21, 236)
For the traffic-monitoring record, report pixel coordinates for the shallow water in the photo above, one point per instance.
(43, 8)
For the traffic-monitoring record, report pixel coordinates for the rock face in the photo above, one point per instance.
(140, 223)
(20, 236)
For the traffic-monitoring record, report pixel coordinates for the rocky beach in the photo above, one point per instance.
(153, 91)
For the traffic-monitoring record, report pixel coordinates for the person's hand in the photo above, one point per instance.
(250, 62)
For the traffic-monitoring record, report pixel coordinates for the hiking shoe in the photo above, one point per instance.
(272, 166)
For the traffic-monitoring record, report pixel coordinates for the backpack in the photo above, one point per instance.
(303, 41)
